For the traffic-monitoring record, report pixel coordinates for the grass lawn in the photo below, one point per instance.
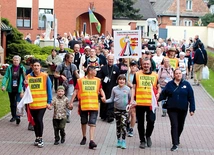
(4, 104)
(209, 84)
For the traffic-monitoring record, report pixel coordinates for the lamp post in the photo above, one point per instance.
(178, 13)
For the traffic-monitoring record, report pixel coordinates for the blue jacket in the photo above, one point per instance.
(199, 58)
(178, 97)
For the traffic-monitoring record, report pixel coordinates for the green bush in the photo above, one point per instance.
(210, 57)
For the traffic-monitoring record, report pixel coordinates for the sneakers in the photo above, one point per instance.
(68, 119)
(174, 148)
(83, 141)
(164, 114)
(195, 84)
(56, 142)
(12, 119)
(30, 127)
(36, 142)
(92, 144)
(118, 143)
(40, 143)
(130, 132)
(142, 145)
(123, 144)
(149, 141)
(18, 121)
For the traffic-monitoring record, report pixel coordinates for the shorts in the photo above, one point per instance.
(92, 117)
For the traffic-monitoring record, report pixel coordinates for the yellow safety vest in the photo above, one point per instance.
(144, 86)
(88, 93)
(38, 87)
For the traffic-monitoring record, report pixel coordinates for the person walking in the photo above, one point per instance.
(52, 61)
(67, 72)
(200, 60)
(143, 82)
(12, 82)
(120, 95)
(87, 89)
(179, 95)
(41, 89)
(59, 104)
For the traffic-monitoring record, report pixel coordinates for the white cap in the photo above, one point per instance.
(182, 53)
(87, 47)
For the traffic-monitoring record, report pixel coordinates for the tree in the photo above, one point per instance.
(211, 2)
(207, 18)
(125, 9)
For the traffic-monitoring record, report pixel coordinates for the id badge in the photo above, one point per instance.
(15, 83)
(106, 79)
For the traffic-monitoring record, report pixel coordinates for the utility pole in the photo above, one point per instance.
(178, 13)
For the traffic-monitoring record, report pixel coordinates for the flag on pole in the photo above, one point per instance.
(154, 100)
(93, 19)
(26, 99)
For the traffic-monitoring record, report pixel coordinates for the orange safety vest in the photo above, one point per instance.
(88, 93)
(38, 87)
(144, 86)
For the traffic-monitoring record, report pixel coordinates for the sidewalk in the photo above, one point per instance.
(197, 138)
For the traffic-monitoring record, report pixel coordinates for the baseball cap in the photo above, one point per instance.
(87, 47)
(133, 62)
(60, 87)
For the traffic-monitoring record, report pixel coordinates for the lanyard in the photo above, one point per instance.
(109, 76)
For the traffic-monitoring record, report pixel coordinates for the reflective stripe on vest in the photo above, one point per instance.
(143, 88)
(88, 93)
(38, 89)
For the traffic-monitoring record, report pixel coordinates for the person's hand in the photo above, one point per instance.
(70, 106)
(21, 94)
(3, 88)
(103, 99)
(157, 96)
(191, 113)
(63, 77)
(25, 82)
(49, 106)
(50, 63)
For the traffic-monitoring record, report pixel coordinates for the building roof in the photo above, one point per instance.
(4, 27)
(161, 6)
(146, 9)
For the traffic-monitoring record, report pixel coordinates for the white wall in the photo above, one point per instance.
(49, 4)
(185, 32)
(210, 37)
(24, 3)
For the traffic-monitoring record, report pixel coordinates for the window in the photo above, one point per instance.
(174, 22)
(187, 23)
(188, 4)
(42, 23)
(23, 18)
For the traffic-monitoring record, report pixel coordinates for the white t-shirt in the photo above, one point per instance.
(183, 64)
(158, 60)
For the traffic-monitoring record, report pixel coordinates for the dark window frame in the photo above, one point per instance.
(24, 16)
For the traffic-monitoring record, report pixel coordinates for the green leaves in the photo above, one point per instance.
(207, 18)
(125, 9)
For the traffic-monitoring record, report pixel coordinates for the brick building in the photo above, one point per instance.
(71, 14)
(190, 11)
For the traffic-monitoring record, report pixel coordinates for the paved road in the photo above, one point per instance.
(197, 138)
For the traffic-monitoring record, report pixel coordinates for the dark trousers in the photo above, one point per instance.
(59, 127)
(38, 115)
(150, 118)
(121, 117)
(14, 98)
(177, 119)
(106, 110)
(54, 81)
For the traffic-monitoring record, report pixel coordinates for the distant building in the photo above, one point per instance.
(190, 11)
(146, 10)
(26, 15)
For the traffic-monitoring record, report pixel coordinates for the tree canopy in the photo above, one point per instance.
(125, 9)
(207, 18)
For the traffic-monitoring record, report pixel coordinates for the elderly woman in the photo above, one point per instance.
(180, 96)
(52, 61)
(13, 84)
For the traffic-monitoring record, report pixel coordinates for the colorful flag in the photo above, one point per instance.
(93, 19)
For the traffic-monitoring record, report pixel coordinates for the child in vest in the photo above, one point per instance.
(60, 103)
(120, 95)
